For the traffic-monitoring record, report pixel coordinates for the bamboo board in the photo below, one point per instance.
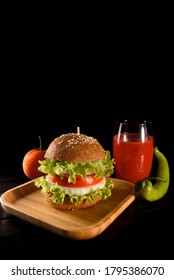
(26, 202)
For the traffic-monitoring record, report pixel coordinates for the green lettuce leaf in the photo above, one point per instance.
(100, 168)
(58, 195)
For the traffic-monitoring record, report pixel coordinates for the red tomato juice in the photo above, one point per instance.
(133, 158)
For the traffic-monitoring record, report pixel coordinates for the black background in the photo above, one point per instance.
(52, 84)
(57, 75)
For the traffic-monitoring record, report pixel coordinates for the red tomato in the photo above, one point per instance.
(89, 181)
(31, 163)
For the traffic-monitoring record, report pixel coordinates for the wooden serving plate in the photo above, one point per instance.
(26, 202)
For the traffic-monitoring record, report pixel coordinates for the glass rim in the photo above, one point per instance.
(134, 121)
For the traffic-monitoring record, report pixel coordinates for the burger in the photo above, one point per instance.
(76, 169)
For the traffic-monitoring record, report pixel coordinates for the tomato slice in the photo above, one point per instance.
(89, 181)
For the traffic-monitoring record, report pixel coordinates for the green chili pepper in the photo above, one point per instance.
(151, 192)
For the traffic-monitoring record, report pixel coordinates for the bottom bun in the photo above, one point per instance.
(71, 206)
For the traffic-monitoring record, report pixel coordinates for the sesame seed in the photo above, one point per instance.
(75, 138)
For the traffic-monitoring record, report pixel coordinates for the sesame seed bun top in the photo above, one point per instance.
(75, 147)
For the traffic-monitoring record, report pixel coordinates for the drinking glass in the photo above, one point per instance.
(133, 147)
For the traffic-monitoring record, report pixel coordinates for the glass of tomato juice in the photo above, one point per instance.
(133, 147)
